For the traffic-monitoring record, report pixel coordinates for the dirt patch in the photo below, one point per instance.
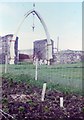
(23, 102)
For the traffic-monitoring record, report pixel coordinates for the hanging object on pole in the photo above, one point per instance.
(33, 27)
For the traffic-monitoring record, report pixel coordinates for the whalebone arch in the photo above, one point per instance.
(49, 45)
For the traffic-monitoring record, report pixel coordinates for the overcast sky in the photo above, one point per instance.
(63, 19)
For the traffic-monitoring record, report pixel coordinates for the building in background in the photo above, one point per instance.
(25, 55)
(5, 42)
(40, 49)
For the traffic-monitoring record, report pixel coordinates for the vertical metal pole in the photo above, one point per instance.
(57, 43)
(58, 57)
(6, 62)
(36, 71)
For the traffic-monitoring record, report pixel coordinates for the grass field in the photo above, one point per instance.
(64, 77)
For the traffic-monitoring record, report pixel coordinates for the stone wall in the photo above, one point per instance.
(68, 56)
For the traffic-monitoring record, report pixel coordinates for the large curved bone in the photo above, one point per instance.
(49, 45)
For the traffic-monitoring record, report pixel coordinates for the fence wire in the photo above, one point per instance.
(65, 69)
(67, 75)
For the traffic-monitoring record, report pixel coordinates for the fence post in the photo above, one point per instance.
(6, 62)
(61, 101)
(36, 72)
(43, 92)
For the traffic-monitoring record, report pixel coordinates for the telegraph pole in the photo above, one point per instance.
(58, 44)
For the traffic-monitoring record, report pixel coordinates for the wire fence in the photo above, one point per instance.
(67, 75)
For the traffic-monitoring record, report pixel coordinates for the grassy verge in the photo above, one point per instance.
(39, 83)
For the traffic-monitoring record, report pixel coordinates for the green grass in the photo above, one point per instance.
(64, 77)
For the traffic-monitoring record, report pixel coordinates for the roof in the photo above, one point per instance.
(40, 41)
